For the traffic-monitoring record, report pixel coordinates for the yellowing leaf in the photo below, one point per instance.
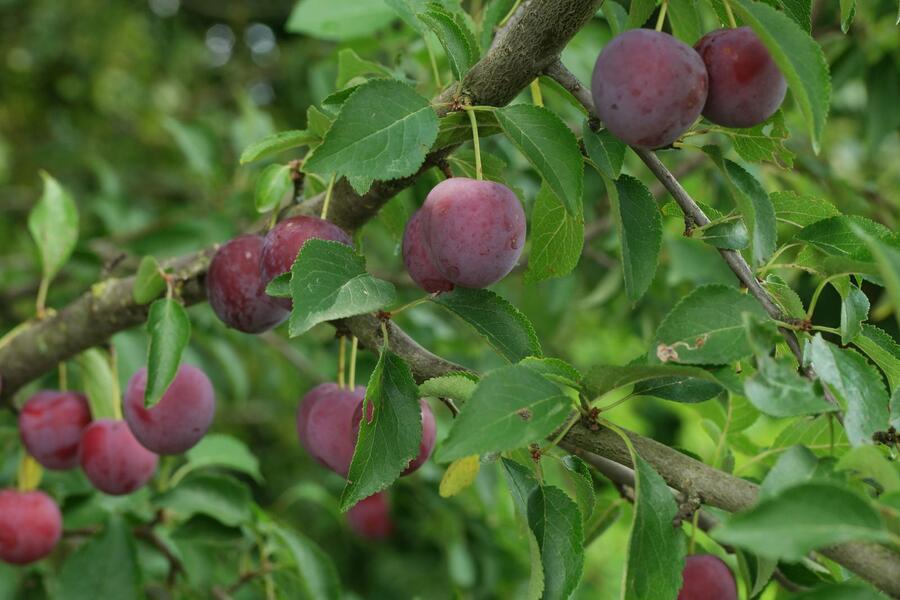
(459, 475)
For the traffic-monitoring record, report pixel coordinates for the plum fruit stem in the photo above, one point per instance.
(63, 377)
(434, 66)
(342, 361)
(730, 14)
(478, 174)
(354, 346)
(536, 97)
(30, 473)
(662, 15)
(41, 300)
(327, 200)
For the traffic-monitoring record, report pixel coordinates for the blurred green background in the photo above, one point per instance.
(140, 109)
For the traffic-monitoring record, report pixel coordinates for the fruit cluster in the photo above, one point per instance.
(649, 87)
(328, 423)
(118, 457)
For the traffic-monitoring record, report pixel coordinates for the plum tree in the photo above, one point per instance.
(112, 458)
(429, 433)
(474, 229)
(648, 87)
(180, 419)
(284, 241)
(30, 526)
(324, 424)
(707, 577)
(236, 289)
(371, 518)
(745, 85)
(417, 257)
(50, 426)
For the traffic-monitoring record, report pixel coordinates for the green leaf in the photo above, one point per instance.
(606, 151)
(222, 451)
(170, 330)
(557, 526)
(101, 385)
(839, 236)
(857, 385)
(848, 11)
(492, 167)
(491, 17)
(605, 378)
(329, 281)
(456, 128)
(196, 144)
(785, 296)
(554, 369)
(338, 19)
(521, 482)
(583, 484)
(818, 434)
(888, 260)
(777, 389)
(148, 282)
(53, 223)
(556, 238)
(550, 147)
(459, 45)
(753, 203)
(105, 567)
(840, 591)
(764, 142)
(220, 497)
(707, 327)
(272, 186)
(656, 548)
(854, 308)
(869, 462)
(639, 227)
(318, 575)
(639, 12)
(801, 210)
(506, 329)
(799, 57)
(895, 409)
(615, 16)
(277, 142)
(458, 386)
(384, 131)
(800, 11)
(685, 20)
(801, 519)
(881, 348)
(729, 235)
(511, 407)
(795, 466)
(351, 65)
(389, 438)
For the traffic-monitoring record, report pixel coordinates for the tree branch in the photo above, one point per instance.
(695, 214)
(530, 43)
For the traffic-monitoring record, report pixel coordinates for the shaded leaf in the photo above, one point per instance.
(170, 330)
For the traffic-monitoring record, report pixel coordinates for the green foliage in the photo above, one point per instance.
(53, 223)
(329, 281)
(502, 324)
(168, 140)
(389, 433)
(639, 226)
(383, 131)
(511, 407)
(550, 147)
(170, 331)
(557, 238)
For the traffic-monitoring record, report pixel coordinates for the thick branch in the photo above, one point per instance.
(528, 45)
